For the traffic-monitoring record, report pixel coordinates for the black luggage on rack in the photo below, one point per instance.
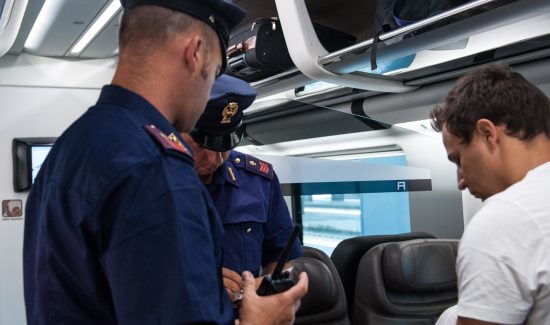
(258, 50)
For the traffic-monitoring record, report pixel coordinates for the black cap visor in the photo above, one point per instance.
(218, 141)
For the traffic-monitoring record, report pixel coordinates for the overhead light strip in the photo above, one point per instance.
(43, 23)
(98, 25)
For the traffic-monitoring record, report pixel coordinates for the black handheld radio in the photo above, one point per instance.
(280, 280)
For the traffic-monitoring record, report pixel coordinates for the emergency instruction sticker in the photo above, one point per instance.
(12, 210)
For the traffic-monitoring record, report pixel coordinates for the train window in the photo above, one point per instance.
(328, 219)
(346, 174)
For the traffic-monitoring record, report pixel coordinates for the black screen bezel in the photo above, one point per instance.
(22, 160)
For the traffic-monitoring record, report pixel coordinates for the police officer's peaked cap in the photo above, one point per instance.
(221, 15)
(220, 127)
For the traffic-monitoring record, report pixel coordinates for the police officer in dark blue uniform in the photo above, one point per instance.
(245, 189)
(119, 229)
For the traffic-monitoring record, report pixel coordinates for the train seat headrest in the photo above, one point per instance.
(419, 266)
(323, 294)
(325, 302)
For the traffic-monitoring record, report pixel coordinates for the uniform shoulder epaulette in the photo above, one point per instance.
(260, 167)
(168, 142)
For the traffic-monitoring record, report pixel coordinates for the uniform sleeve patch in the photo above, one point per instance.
(259, 167)
(168, 142)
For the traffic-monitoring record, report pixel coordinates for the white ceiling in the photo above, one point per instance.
(61, 24)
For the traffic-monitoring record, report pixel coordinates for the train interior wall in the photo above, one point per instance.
(40, 97)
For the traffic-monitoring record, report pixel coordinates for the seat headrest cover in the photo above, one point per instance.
(421, 265)
(322, 293)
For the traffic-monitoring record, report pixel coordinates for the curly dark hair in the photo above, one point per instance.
(498, 94)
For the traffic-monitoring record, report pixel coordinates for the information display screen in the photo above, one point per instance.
(28, 156)
(38, 155)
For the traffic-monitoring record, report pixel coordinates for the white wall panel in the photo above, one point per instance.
(38, 98)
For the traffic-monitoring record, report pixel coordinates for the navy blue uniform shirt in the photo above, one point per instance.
(256, 221)
(119, 228)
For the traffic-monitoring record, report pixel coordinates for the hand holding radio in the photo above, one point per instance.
(278, 298)
(280, 280)
(274, 309)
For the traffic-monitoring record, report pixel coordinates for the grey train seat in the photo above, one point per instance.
(348, 253)
(406, 283)
(325, 302)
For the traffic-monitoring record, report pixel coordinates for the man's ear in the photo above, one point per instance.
(192, 53)
(487, 131)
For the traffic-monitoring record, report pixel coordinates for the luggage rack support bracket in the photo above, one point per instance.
(306, 50)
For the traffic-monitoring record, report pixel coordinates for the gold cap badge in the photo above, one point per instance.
(229, 111)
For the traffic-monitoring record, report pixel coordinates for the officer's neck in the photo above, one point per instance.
(206, 179)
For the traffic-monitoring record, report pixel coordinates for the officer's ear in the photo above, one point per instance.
(193, 53)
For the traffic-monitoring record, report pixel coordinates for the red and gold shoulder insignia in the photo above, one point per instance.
(168, 142)
(259, 167)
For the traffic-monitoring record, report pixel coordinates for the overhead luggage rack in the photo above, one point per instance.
(11, 16)
(430, 23)
(350, 67)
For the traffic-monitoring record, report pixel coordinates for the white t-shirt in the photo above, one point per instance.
(503, 263)
(448, 317)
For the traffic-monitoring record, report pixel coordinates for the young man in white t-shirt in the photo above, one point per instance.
(496, 129)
